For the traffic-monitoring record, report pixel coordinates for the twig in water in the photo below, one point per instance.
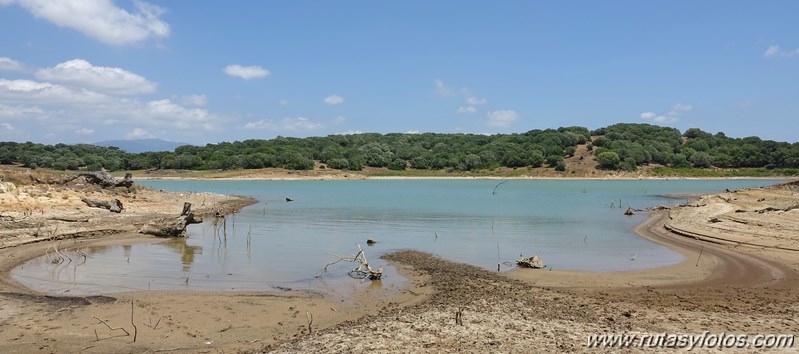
(497, 186)
(585, 240)
(498, 261)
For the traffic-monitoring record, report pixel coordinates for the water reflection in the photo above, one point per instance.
(186, 252)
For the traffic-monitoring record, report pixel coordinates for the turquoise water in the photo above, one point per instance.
(571, 224)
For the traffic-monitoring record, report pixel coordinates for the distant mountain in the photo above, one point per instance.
(141, 145)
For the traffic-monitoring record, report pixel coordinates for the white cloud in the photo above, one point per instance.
(474, 101)
(284, 102)
(194, 100)
(466, 110)
(648, 115)
(775, 51)
(139, 133)
(285, 124)
(101, 19)
(18, 111)
(9, 64)
(351, 132)
(413, 132)
(442, 89)
(34, 91)
(54, 106)
(84, 131)
(246, 72)
(178, 116)
(502, 119)
(7, 126)
(81, 73)
(671, 116)
(333, 100)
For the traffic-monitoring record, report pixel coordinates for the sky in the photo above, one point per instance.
(83, 71)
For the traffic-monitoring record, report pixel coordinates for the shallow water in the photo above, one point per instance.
(274, 244)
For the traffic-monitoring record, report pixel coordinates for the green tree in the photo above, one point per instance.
(609, 160)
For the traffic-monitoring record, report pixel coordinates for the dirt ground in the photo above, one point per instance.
(741, 276)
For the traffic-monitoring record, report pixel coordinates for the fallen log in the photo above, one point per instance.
(172, 227)
(114, 206)
(100, 178)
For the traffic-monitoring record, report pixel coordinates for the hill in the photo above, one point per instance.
(141, 145)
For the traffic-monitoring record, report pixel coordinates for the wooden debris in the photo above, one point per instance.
(100, 178)
(629, 211)
(114, 206)
(363, 271)
(534, 262)
(175, 227)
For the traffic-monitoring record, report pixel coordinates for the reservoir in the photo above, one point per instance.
(277, 245)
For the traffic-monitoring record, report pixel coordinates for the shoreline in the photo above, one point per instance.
(225, 319)
(542, 178)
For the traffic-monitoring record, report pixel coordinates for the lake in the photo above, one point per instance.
(275, 244)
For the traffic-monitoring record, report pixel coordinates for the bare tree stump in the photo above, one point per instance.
(172, 227)
(114, 206)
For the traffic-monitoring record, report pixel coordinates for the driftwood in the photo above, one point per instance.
(534, 262)
(172, 227)
(100, 178)
(363, 271)
(114, 206)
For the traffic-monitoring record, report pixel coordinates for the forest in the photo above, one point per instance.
(623, 146)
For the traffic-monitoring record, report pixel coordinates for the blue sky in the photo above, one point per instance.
(207, 71)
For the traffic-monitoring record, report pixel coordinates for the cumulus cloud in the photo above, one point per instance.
(7, 126)
(54, 107)
(84, 131)
(442, 89)
(194, 100)
(34, 91)
(502, 119)
(333, 100)
(467, 109)
(474, 101)
(101, 19)
(285, 124)
(671, 116)
(246, 72)
(139, 133)
(775, 51)
(81, 73)
(18, 111)
(8, 64)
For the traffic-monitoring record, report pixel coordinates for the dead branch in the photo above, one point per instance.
(175, 227)
(112, 328)
(363, 271)
(114, 206)
(309, 316)
(135, 329)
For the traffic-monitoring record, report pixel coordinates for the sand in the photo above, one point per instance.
(745, 281)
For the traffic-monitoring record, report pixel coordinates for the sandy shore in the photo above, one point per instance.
(737, 285)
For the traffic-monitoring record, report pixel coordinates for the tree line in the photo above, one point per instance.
(620, 146)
